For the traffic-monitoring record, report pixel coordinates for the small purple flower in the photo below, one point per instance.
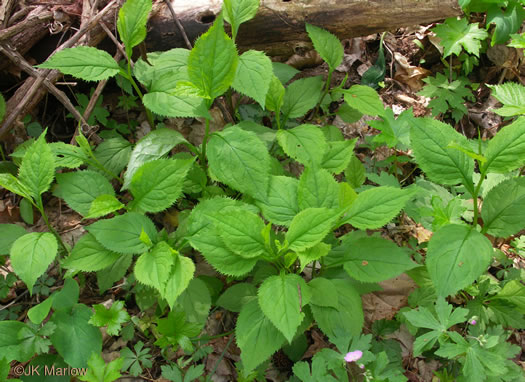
(353, 356)
(473, 322)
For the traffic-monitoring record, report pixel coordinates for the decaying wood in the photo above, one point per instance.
(278, 29)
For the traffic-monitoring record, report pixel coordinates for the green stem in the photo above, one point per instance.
(204, 143)
(206, 339)
(325, 92)
(208, 378)
(129, 76)
(40, 207)
(475, 198)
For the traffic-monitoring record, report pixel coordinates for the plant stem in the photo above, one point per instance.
(206, 339)
(129, 76)
(325, 92)
(204, 143)
(208, 378)
(40, 206)
(475, 199)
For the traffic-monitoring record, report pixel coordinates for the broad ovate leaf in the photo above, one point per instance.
(104, 205)
(512, 96)
(301, 96)
(84, 62)
(309, 227)
(181, 274)
(338, 156)
(280, 204)
(457, 255)
(131, 23)
(89, 255)
(156, 185)
(364, 99)
(305, 143)
(8, 235)
(213, 61)
(31, 255)
(237, 12)
(254, 75)
(153, 268)
(506, 151)
(317, 188)
(170, 104)
(240, 159)
(38, 168)
(327, 45)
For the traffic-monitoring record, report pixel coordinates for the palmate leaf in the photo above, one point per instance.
(237, 12)
(213, 61)
(455, 34)
(84, 62)
(131, 23)
(254, 75)
(113, 317)
(457, 255)
(327, 45)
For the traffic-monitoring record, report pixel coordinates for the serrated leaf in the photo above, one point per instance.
(153, 146)
(506, 151)
(89, 255)
(10, 183)
(364, 99)
(113, 154)
(10, 342)
(280, 205)
(254, 74)
(513, 292)
(280, 299)
(38, 168)
(156, 185)
(313, 254)
(80, 188)
(450, 261)
(317, 188)
(301, 96)
(179, 279)
(441, 164)
(31, 254)
(104, 205)
(309, 227)
(305, 143)
(74, 338)
(121, 234)
(8, 235)
(327, 45)
(213, 61)
(237, 296)
(166, 69)
(375, 207)
(168, 104)
(99, 371)
(84, 62)
(131, 23)
(237, 12)
(338, 156)
(68, 156)
(503, 209)
(256, 336)
(372, 259)
(113, 317)
(455, 34)
(512, 96)
(108, 276)
(355, 173)
(240, 159)
(275, 96)
(153, 268)
(324, 293)
(196, 302)
(284, 72)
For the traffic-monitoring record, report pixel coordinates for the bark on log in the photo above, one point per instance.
(278, 29)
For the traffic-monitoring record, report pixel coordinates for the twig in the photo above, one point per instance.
(21, 13)
(15, 300)
(113, 38)
(26, 24)
(59, 94)
(6, 125)
(178, 23)
(86, 15)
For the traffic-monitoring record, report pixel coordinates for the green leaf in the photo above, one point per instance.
(506, 151)
(68, 156)
(240, 159)
(121, 234)
(8, 235)
(113, 317)
(74, 338)
(84, 62)
(66, 298)
(213, 61)
(324, 293)
(503, 209)
(355, 172)
(301, 96)
(305, 143)
(309, 227)
(455, 34)
(327, 45)
(89, 255)
(312, 254)
(10, 183)
(80, 188)
(506, 22)
(108, 276)
(153, 268)
(104, 205)
(10, 343)
(236, 297)
(347, 318)
(317, 188)
(284, 72)
(38, 168)
(156, 185)
(280, 205)
(237, 12)
(113, 154)
(166, 69)
(512, 96)
(153, 146)
(31, 254)
(241, 231)
(281, 299)
(275, 96)
(513, 292)
(375, 207)
(196, 302)
(170, 104)
(364, 99)
(179, 279)
(99, 371)
(39, 312)
(256, 336)
(430, 139)
(457, 255)
(254, 75)
(131, 23)
(373, 259)
(338, 156)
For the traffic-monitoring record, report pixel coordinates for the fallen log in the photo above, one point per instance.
(278, 28)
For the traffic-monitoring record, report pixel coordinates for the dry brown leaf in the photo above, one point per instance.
(409, 75)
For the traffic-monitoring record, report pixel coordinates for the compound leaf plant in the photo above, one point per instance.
(292, 249)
